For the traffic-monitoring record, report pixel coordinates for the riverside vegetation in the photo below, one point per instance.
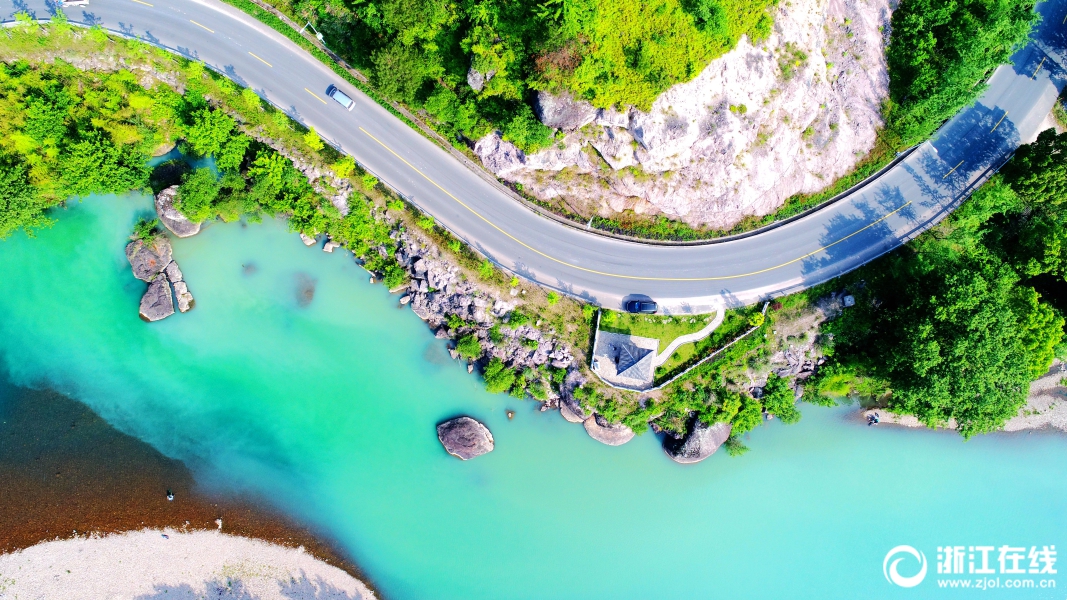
(70, 131)
(82, 112)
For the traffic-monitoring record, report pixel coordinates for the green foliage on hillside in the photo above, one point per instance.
(942, 52)
(618, 52)
(952, 327)
(66, 133)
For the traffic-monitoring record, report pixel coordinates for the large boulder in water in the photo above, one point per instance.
(149, 260)
(701, 442)
(158, 302)
(612, 434)
(465, 438)
(173, 219)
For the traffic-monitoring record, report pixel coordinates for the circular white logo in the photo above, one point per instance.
(890, 568)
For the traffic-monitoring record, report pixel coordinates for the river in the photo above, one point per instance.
(297, 379)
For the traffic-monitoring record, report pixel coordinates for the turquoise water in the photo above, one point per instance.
(328, 409)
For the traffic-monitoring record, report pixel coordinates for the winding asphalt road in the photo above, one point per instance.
(875, 218)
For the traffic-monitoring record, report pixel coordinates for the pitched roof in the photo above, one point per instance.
(633, 361)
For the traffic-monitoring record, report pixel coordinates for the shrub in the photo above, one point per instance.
(469, 347)
(344, 167)
(197, 194)
(147, 231)
(498, 378)
(553, 298)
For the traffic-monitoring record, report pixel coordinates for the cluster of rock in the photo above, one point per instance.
(756, 126)
(438, 290)
(153, 263)
(465, 438)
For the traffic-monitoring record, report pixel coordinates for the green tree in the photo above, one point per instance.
(312, 139)
(197, 195)
(941, 53)
(94, 164)
(779, 399)
(21, 206)
(469, 347)
(946, 336)
(498, 378)
(209, 131)
(1038, 171)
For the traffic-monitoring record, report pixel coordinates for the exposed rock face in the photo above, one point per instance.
(699, 444)
(563, 111)
(149, 260)
(756, 126)
(479, 310)
(465, 438)
(612, 434)
(171, 217)
(157, 303)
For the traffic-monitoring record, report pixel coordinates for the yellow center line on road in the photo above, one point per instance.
(637, 277)
(1043, 59)
(999, 122)
(316, 97)
(264, 62)
(952, 171)
(1064, 22)
(199, 25)
(145, 3)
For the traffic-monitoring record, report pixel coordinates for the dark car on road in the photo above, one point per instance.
(340, 97)
(645, 307)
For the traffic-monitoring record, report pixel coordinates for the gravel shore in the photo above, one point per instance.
(171, 564)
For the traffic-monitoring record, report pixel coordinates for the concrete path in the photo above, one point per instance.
(720, 313)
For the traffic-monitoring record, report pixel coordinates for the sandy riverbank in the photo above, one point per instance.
(67, 473)
(170, 564)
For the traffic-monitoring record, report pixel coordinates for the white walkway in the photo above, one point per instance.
(689, 337)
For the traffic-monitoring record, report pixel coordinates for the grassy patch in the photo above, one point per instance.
(663, 328)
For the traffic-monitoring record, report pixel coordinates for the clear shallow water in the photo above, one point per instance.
(328, 408)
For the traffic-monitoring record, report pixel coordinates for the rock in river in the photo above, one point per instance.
(612, 434)
(699, 444)
(465, 438)
(157, 303)
(170, 217)
(149, 260)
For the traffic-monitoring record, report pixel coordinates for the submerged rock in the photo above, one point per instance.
(612, 434)
(149, 260)
(465, 438)
(171, 217)
(701, 442)
(157, 303)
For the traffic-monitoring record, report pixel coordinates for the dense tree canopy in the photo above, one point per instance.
(610, 52)
(952, 324)
(942, 51)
